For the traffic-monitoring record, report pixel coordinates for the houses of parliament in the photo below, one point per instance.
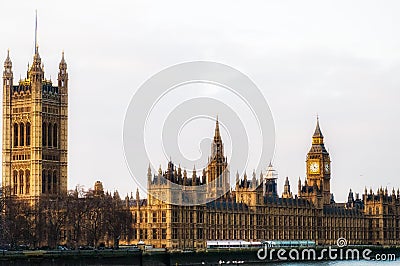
(35, 137)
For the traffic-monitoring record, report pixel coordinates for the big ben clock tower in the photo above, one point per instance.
(317, 187)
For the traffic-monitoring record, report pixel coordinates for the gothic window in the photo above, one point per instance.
(55, 136)
(49, 135)
(163, 217)
(21, 182)
(154, 234)
(44, 134)
(49, 186)
(43, 181)
(28, 134)
(55, 182)
(22, 134)
(15, 182)
(27, 181)
(174, 216)
(15, 135)
(174, 233)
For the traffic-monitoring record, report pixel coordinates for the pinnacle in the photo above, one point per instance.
(317, 132)
(7, 62)
(217, 133)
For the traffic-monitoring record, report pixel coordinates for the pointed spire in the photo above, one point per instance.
(317, 132)
(137, 198)
(254, 180)
(217, 134)
(63, 64)
(8, 56)
(299, 186)
(286, 189)
(7, 62)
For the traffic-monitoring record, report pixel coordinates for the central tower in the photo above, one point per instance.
(35, 131)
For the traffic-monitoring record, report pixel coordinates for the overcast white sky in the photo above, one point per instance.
(340, 59)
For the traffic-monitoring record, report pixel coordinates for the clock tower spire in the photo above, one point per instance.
(318, 162)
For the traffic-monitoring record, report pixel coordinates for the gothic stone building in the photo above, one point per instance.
(35, 133)
(35, 116)
(254, 211)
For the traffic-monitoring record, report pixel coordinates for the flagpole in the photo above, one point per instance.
(36, 31)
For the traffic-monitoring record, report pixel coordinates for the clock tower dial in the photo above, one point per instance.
(314, 167)
(327, 168)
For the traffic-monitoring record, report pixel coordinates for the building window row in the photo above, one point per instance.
(50, 182)
(22, 134)
(50, 135)
(21, 182)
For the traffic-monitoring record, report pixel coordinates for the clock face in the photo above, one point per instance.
(314, 167)
(327, 167)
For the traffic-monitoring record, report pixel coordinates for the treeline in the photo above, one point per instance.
(80, 218)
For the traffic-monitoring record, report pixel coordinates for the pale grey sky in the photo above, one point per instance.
(340, 59)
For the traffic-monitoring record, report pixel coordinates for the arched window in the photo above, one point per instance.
(55, 183)
(27, 181)
(15, 182)
(15, 135)
(44, 134)
(43, 181)
(55, 136)
(21, 134)
(21, 182)
(28, 134)
(49, 182)
(49, 136)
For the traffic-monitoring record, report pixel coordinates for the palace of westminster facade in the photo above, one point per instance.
(35, 135)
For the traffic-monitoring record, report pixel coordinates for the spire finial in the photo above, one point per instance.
(7, 62)
(217, 134)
